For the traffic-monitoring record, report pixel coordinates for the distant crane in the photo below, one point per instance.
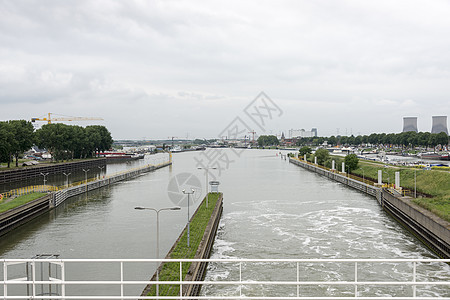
(172, 137)
(66, 118)
(253, 132)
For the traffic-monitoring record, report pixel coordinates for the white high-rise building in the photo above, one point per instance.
(301, 133)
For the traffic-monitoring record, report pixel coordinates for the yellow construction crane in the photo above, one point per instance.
(66, 118)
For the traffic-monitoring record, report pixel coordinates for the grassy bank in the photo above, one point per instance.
(435, 183)
(430, 182)
(171, 271)
(7, 205)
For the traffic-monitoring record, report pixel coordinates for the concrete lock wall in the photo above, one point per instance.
(24, 213)
(57, 168)
(19, 215)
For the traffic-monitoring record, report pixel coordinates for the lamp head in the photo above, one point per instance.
(175, 208)
(139, 207)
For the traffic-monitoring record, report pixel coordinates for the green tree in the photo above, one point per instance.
(23, 132)
(332, 140)
(433, 140)
(351, 162)
(305, 150)
(94, 140)
(6, 140)
(53, 137)
(442, 139)
(322, 155)
(267, 140)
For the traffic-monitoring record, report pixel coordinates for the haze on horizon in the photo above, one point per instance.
(157, 69)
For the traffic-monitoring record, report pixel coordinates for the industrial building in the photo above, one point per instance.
(301, 133)
(439, 124)
(410, 124)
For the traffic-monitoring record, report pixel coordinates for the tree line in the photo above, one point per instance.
(409, 139)
(267, 140)
(324, 159)
(62, 141)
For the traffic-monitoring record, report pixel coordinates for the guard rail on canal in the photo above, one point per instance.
(355, 279)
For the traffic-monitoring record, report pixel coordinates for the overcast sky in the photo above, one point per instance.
(158, 69)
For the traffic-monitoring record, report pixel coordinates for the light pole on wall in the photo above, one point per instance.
(157, 234)
(188, 233)
(206, 186)
(45, 180)
(85, 173)
(67, 179)
(101, 169)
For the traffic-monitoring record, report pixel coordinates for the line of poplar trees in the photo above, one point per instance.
(62, 141)
(409, 139)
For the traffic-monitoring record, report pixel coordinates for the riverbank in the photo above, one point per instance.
(432, 185)
(25, 173)
(432, 188)
(429, 228)
(203, 228)
(9, 203)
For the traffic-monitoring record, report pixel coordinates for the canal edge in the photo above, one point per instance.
(197, 270)
(431, 230)
(20, 215)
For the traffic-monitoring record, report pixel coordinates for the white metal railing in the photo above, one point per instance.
(412, 280)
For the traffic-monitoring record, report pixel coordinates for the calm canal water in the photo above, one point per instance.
(272, 209)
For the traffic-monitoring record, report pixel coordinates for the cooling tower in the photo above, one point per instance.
(409, 124)
(439, 124)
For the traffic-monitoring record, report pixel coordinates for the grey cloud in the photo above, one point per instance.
(173, 57)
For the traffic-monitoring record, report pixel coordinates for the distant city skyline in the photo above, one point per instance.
(160, 69)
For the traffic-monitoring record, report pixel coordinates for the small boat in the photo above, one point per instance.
(433, 155)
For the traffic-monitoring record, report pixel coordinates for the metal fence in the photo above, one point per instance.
(247, 278)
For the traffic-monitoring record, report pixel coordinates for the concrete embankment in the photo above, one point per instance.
(26, 173)
(24, 213)
(433, 231)
(19, 215)
(196, 270)
(61, 196)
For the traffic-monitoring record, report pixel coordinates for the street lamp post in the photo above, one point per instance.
(363, 174)
(388, 177)
(157, 234)
(101, 169)
(45, 180)
(415, 183)
(189, 229)
(207, 189)
(67, 179)
(85, 173)
(363, 178)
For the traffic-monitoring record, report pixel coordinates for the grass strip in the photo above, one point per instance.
(171, 271)
(20, 201)
(435, 183)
